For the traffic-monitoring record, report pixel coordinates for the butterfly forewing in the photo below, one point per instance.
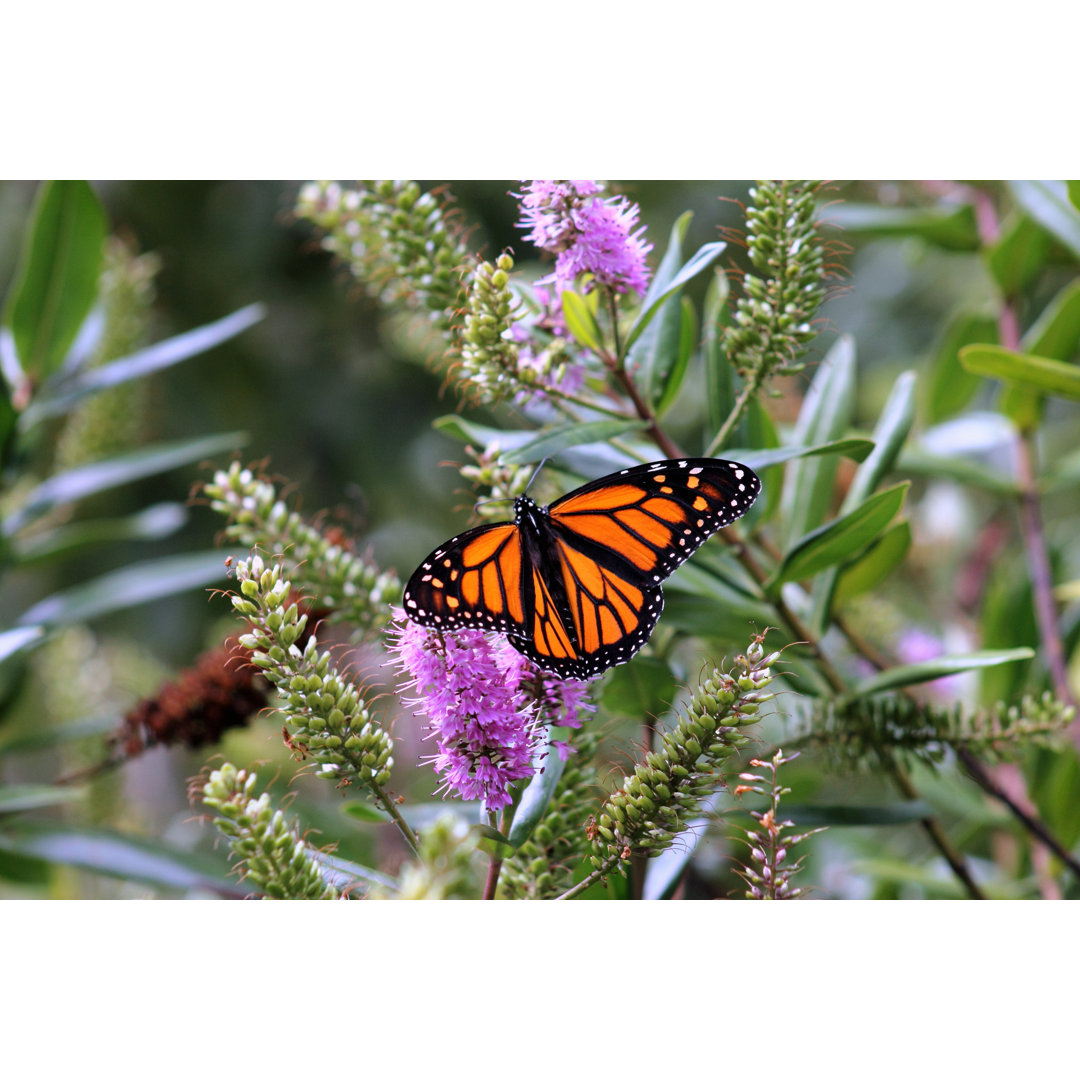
(651, 518)
(476, 579)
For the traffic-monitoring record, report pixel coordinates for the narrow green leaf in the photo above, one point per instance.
(581, 322)
(536, 798)
(467, 431)
(39, 737)
(1055, 334)
(153, 523)
(1047, 201)
(871, 568)
(85, 480)
(920, 461)
(688, 336)
(719, 374)
(949, 226)
(929, 670)
(120, 855)
(131, 586)
(824, 417)
(805, 815)
(890, 434)
(61, 394)
(362, 810)
(704, 257)
(15, 798)
(949, 387)
(651, 357)
(553, 441)
(1029, 372)
(1073, 187)
(1018, 256)
(492, 842)
(57, 279)
(837, 541)
(855, 448)
(22, 637)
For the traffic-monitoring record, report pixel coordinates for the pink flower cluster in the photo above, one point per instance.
(471, 687)
(587, 234)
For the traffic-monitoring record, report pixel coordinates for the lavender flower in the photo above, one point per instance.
(587, 234)
(483, 722)
(479, 694)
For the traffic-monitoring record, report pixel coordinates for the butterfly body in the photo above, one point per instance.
(576, 585)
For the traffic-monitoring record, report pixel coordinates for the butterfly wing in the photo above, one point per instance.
(649, 519)
(609, 544)
(476, 579)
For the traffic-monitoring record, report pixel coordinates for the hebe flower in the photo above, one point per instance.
(587, 234)
(478, 693)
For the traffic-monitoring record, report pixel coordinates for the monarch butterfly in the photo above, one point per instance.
(575, 586)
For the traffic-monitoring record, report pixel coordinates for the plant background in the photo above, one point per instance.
(339, 398)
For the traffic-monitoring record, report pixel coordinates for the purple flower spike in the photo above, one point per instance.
(477, 692)
(587, 234)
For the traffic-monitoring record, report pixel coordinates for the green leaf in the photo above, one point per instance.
(950, 387)
(79, 483)
(653, 354)
(643, 688)
(553, 441)
(492, 842)
(688, 335)
(837, 541)
(890, 434)
(61, 394)
(57, 280)
(1028, 372)
(40, 737)
(120, 855)
(875, 564)
(153, 523)
(901, 813)
(22, 637)
(719, 374)
(581, 322)
(1047, 201)
(1073, 187)
(467, 431)
(1018, 256)
(362, 810)
(855, 448)
(1055, 334)
(15, 798)
(921, 462)
(929, 670)
(131, 586)
(705, 256)
(824, 417)
(949, 226)
(536, 797)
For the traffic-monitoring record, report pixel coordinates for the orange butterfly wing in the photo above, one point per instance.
(473, 580)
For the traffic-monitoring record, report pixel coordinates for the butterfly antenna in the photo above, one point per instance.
(536, 473)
